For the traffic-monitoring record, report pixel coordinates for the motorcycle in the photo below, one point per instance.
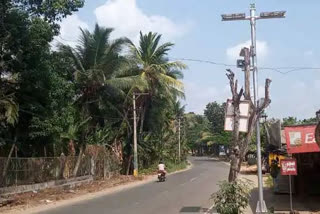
(161, 176)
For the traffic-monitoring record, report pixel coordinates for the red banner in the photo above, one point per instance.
(301, 139)
(288, 167)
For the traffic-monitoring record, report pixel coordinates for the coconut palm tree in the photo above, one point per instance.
(158, 76)
(97, 63)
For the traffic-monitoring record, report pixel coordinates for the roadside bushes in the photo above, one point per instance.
(171, 166)
(233, 197)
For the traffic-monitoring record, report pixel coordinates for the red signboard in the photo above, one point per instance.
(288, 167)
(301, 139)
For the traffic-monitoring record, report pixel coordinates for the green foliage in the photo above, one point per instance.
(269, 181)
(232, 198)
(215, 113)
(51, 11)
(8, 109)
(195, 125)
(83, 94)
(290, 121)
(171, 166)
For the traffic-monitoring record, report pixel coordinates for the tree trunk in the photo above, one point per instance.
(71, 149)
(142, 118)
(45, 151)
(76, 168)
(5, 169)
(234, 168)
(54, 150)
(239, 148)
(235, 148)
(129, 165)
(235, 152)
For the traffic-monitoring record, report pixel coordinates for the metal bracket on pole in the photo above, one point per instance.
(261, 209)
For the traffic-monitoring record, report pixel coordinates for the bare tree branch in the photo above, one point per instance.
(247, 93)
(267, 100)
(230, 76)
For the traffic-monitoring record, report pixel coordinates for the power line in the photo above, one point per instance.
(204, 61)
(276, 69)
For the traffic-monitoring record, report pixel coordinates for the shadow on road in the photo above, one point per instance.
(197, 209)
(281, 202)
(206, 160)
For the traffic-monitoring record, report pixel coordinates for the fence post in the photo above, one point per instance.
(16, 151)
(104, 168)
(92, 166)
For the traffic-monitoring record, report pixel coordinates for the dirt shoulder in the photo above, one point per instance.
(33, 202)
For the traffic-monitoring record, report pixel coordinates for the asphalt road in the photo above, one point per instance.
(185, 192)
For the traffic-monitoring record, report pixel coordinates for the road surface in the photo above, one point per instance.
(185, 192)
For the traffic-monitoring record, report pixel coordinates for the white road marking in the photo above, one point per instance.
(193, 179)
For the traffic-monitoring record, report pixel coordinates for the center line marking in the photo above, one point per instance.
(194, 179)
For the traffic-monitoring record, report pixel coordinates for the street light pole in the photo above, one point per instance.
(261, 206)
(135, 141)
(135, 146)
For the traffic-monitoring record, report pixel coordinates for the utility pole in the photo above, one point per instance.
(135, 141)
(179, 132)
(261, 206)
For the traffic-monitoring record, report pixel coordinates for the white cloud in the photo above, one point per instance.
(299, 85)
(262, 50)
(299, 99)
(308, 53)
(69, 31)
(317, 84)
(261, 91)
(199, 95)
(128, 20)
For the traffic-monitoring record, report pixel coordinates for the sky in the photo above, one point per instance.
(196, 28)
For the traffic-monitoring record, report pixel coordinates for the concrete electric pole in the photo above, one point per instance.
(135, 141)
(179, 137)
(261, 206)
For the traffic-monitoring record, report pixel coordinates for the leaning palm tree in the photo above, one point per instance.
(97, 63)
(157, 75)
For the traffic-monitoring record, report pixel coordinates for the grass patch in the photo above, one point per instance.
(170, 167)
(269, 181)
(150, 170)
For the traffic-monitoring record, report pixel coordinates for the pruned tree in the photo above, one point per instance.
(239, 144)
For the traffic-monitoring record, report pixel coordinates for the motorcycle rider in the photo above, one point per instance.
(162, 167)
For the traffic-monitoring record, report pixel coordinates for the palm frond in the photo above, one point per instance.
(172, 82)
(10, 109)
(176, 74)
